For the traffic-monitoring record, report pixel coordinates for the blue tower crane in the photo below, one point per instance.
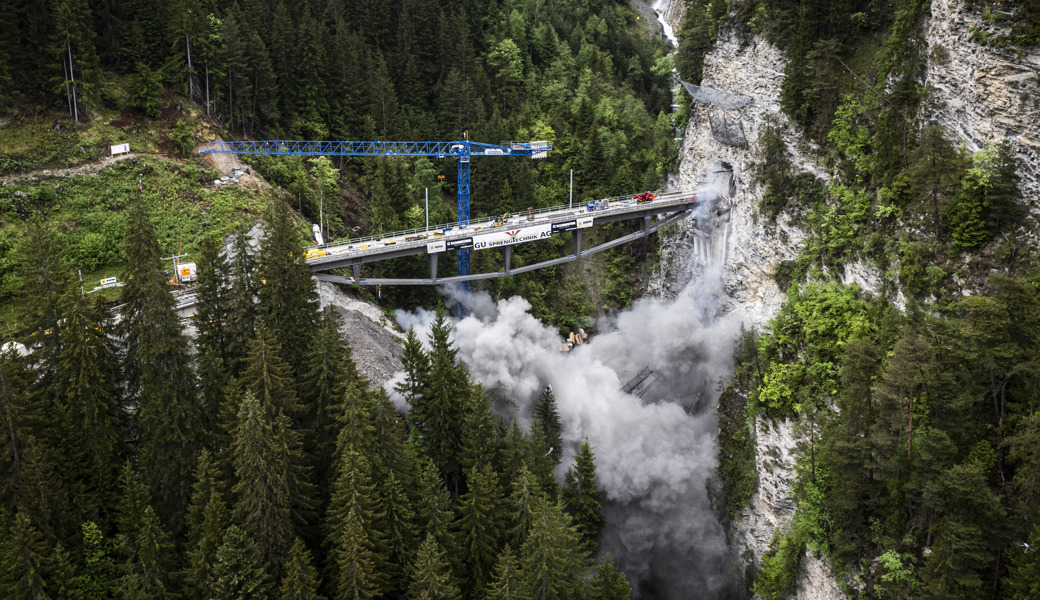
(463, 150)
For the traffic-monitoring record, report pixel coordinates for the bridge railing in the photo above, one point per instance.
(526, 215)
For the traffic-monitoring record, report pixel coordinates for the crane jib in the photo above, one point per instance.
(459, 148)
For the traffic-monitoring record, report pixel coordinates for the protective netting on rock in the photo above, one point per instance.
(718, 98)
(725, 112)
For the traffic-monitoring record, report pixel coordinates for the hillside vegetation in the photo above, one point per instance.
(916, 405)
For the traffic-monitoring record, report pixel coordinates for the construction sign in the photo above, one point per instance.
(518, 235)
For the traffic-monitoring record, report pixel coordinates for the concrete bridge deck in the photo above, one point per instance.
(500, 234)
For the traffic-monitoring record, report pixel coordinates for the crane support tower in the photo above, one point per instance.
(463, 150)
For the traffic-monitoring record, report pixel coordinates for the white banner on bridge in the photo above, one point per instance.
(512, 236)
(585, 222)
(434, 247)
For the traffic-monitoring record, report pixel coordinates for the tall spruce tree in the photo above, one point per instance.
(45, 278)
(525, 498)
(610, 583)
(288, 300)
(480, 526)
(24, 561)
(20, 414)
(546, 413)
(208, 519)
(240, 572)
(94, 420)
(552, 560)
(583, 498)
(508, 583)
(301, 578)
(270, 379)
(241, 321)
(414, 387)
(480, 443)
(441, 433)
(263, 498)
(431, 575)
(160, 378)
(213, 343)
(354, 562)
(148, 560)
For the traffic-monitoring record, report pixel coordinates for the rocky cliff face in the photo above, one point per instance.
(982, 94)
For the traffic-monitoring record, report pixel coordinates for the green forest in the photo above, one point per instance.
(918, 471)
(253, 461)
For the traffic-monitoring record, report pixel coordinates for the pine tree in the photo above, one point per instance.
(74, 46)
(545, 412)
(20, 414)
(44, 495)
(147, 566)
(288, 301)
(331, 370)
(480, 434)
(269, 378)
(263, 500)
(431, 577)
(301, 578)
(88, 376)
(480, 526)
(239, 573)
(583, 498)
(64, 583)
(441, 433)
(508, 583)
(400, 535)
(355, 564)
(212, 312)
(24, 559)
(242, 312)
(610, 583)
(354, 498)
(525, 498)
(552, 560)
(208, 519)
(433, 511)
(44, 278)
(416, 366)
(160, 378)
(538, 459)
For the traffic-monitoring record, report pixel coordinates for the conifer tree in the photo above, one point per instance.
(441, 432)
(539, 460)
(545, 412)
(158, 369)
(480, 526)
(213, 342)
(331, 370)
(508, 583)
(64, 583)
(242, 313)
(393, 453)
(240, 572)
(44, 495)
(20, 414)
(525, 498)
(355, 564)
(147, 566)
(431, 576)
(24, 561)
(288, 300)
(269, 378)
(414, 387)
(263, 500)
(480, 434)
(301, 578)
(583, 498)
(354, 498)
(44, 278)
(88, 372)
(610, 583)
(74, 45)
(433, 511)
(208, 519)
(513, 451)
(400, 536)
(552, 561)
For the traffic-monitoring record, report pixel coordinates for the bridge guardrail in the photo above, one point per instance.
(451, 230)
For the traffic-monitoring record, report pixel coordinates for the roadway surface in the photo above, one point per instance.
(436, 240)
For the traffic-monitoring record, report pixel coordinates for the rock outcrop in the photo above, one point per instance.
(982, 94)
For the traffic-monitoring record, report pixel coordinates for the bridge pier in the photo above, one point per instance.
(576, 234)
(507, 259)
(646, 224)
(433, 267)
(357, 271)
